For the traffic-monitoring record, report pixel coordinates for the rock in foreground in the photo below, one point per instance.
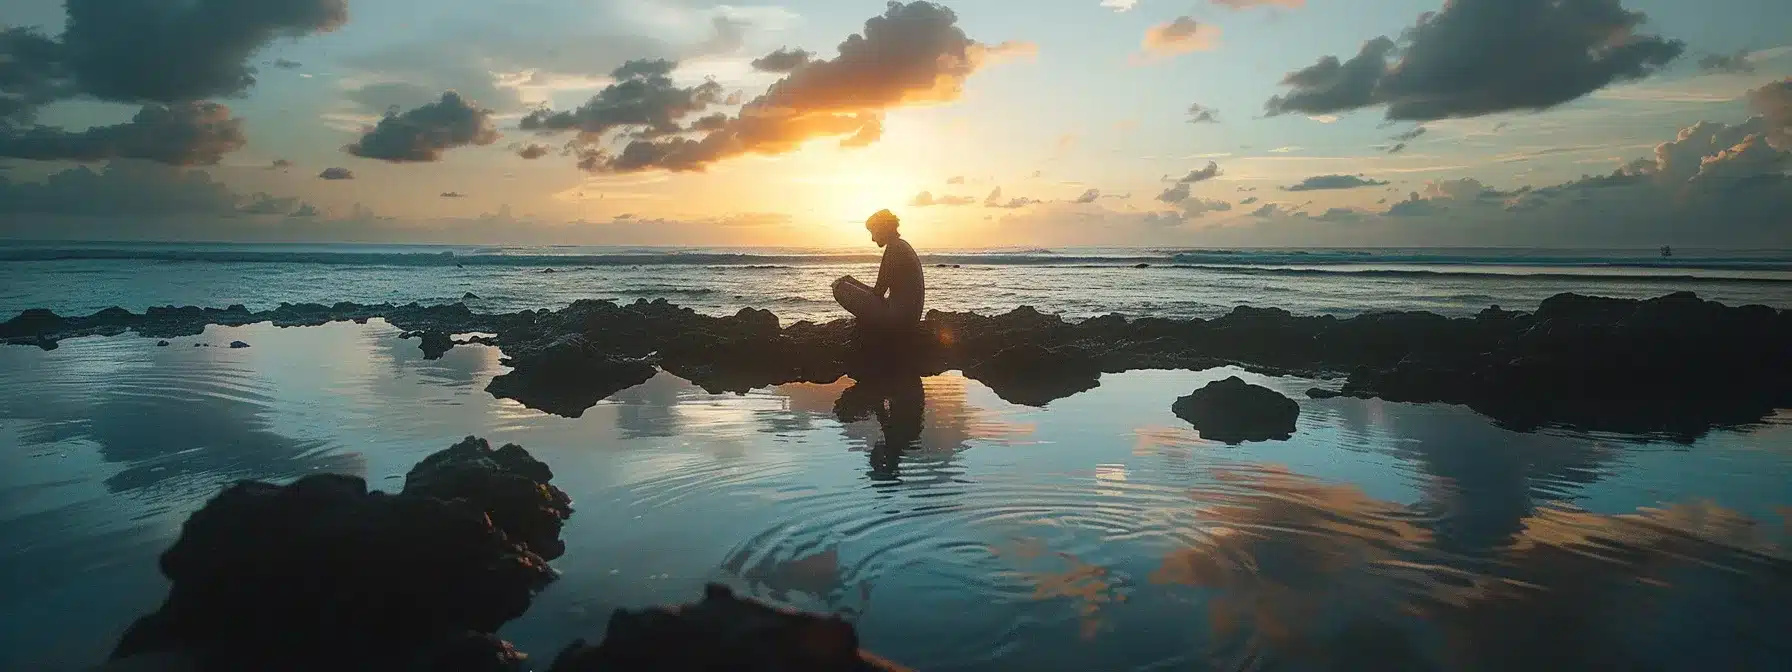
(723, 632)
(1234, 411)
(324, 574)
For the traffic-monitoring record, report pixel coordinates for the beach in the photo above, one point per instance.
(1074, 528)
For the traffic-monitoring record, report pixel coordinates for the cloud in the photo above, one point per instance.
(925, 199)
(280, 164)
(1180, 191)
(1736, 64)
(424, 133)
(643, 96)
(1192, 208)
(169, 52)
(453, 194)
(1477, 57)
(1199, 114)
(1089, 196)
(1179, 36)
(1285, 149)
(1242, 4)
(1326, 182)
(306, 210)
(285, 64)
(1269, 210)
(337, 174)
(532, 151)
(1774, 103)
(1248, 201)
(1397, 148)
(1410, 135)
(995, 200)
(33, 73)
(1119, 5)
(955, 179)
(914, 53)
(783, 60)
(127, 190)
(181, 134)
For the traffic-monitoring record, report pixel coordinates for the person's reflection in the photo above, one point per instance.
(899, 403)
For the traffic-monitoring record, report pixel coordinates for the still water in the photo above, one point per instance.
(1099, 533)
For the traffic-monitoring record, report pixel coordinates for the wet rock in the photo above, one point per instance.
(1234, 411)
(1033, 375)
(1322, 393)
(238, 345)
(722, 632)
(567, 376)
(324, 574)
(469, 296)
(508, 484)
(433, 343)
(1142, 266)
(161, 344)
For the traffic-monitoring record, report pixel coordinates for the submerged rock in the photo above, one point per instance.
(722, 632)
(324, 574)
(1234, 411)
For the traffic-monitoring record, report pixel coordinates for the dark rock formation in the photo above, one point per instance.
(1673, 364)
(567, 375)
(723, 632)
(238, 345)
(161, 344)
(323, 574)
(469, 296)
(1234, 411)
(508, 484)
(433, 343)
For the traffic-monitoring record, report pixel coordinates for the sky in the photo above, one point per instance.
(982, 123)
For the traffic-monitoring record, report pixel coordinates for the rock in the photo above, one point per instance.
(549, 270)
(238, 345)
(1322, 393)
(161, 344)
(324, 574)
(1141, 265)
(507, 483)
(433, 343)
(1234, 411)
(469, 296)
(567, 376)
(723, 632)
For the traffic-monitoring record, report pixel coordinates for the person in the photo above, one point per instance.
(897, 298)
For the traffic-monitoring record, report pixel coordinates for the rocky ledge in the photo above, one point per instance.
(1674, 364)
(323, 574)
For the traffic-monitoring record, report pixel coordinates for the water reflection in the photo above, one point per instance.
(961, 531)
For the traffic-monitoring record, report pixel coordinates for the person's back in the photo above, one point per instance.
(900, 294)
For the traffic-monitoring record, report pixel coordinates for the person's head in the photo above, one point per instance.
(883, 227)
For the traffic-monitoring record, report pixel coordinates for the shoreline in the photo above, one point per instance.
(1673, 364)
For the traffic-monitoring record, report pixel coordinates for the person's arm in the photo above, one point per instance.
(883, 274)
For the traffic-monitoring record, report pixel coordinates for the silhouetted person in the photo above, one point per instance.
(896, 300)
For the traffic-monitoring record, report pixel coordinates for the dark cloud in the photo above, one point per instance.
(1324, 182)
(168, 51)
(182, 134)
(1180, 191)
(134, 189)
(337, 174)
(1410, 135)
(532, 151)
(33, 73)
(1736, 63)
(453, 194)
(643, 96)
(1199, 114)
(783, 60)
(1774, 103)
(285, 64)
(913, 53)
(996, 200)
(1476, 57)
(1269, 210)
(1192, 208)
(926, 198)
(1397, 148)
(424, 133)
(1341, 215)
(1089, 196)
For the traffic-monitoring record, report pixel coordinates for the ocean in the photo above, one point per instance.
(1099, 532)
(79, 278)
